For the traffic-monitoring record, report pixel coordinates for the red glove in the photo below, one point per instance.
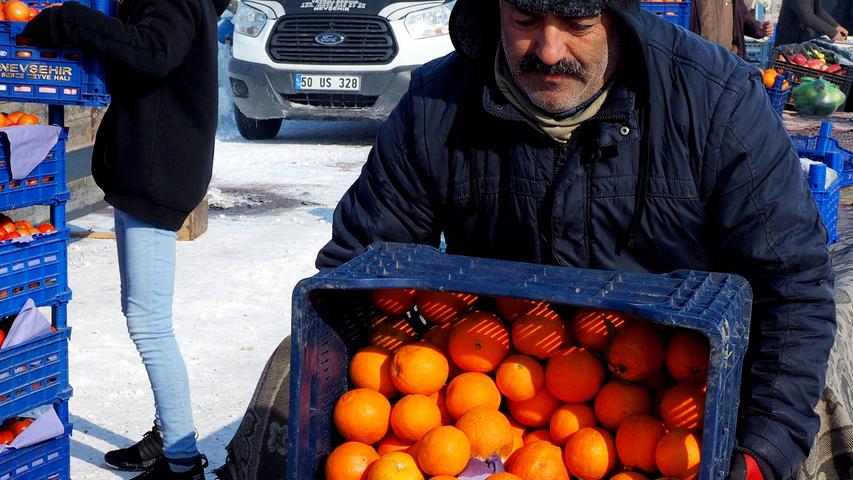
(744, 467)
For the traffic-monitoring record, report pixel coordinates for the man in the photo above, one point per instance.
(726, 22)
(153, 159)
(803, 20)
(592, 134)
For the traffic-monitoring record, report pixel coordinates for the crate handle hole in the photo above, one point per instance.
(32, 181)
(34, 285)
(47, 179)
(35, 364)
(14, 184)
(52, 380)
(17, 290)
(19, 392)
(72, 56)
(49, 54)
(52, 358)
(36, 385)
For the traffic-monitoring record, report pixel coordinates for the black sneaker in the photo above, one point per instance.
(161, 471)
(139, 456)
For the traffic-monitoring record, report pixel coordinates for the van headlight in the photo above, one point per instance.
(430, 22)
(249, 21)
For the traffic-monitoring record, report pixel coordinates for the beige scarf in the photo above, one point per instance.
(560, 129)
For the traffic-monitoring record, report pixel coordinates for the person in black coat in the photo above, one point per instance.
(803, 20)
(153, 159)
(594, 134)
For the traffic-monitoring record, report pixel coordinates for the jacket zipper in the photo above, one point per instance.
(588, 206)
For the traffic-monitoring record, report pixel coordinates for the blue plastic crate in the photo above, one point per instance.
(675, 12)
(62, 76)
(758, 52)
(826, 199)
(823, 148)
(331, 314)
(50, 460)
(34, 373)
(777, 94)
(45, 185)
(36, 270)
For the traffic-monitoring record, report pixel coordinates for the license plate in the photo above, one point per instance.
(334, 83)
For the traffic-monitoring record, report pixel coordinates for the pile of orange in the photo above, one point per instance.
(578, 394)
(10, 229)
(17, 118)
(17, 11)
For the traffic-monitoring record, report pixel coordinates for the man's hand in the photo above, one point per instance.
(767, 28)
(839, 37)
(744, 467)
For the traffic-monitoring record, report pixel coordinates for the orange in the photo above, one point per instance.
(413, 416)
(362, 415)
(469, 390)
(439, 335)
(4, 121)
(395, 466)
(593, 329)
(440, 399)
(574, 375)
(27, 119)
(489, 432)
(390, 332)
(539, 461)
(687, 356)
(443, 451)
(503, 476)
(540, 335)
(568, 419)
(636, 352)
(517, 435)
(443, 307)
(443, 477)
(590, 454)
(617, 401)
(393, 301)
(683, 406)
(419, 368)
(636, 441)
(370, 368)
(519, 377)
(541, 435)
(678, 454)
(629, 476)
(479, 342)
(769, 77)
(14, 116)
(391, 443)
(16, 11)
(350, 461)
(511, 308)
(535, 412)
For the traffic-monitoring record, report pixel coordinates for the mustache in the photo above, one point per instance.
(532, 63)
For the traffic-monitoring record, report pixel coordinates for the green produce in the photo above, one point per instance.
(817, 97)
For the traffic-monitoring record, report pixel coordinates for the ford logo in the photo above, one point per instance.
(329, 38)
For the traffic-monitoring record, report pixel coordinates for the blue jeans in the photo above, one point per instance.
(146, 262)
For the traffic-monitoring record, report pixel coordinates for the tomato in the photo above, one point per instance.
(6, 437)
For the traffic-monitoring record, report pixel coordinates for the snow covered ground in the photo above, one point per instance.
(271, 206)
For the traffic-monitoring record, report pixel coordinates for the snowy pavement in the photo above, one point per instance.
(271, 204)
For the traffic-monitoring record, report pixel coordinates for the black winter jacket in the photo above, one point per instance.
(802, 20)
(153, 153)
(686, 166)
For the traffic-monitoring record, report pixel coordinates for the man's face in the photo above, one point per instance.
(559, 62)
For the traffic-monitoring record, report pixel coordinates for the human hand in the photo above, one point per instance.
(839, 37)
(841, 30)
(744, 467)
(767, 28)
